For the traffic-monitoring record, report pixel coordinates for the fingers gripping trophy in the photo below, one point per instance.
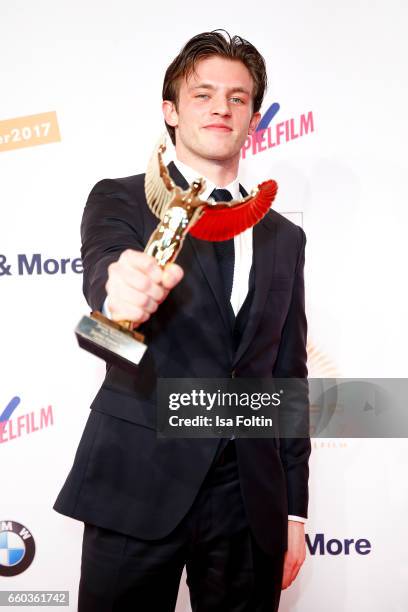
(180, 212)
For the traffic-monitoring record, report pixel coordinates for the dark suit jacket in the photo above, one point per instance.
(126, 479)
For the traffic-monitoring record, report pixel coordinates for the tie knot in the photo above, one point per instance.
(221, 195)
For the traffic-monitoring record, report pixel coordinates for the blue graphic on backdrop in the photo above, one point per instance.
(268, 116)
(9, 409)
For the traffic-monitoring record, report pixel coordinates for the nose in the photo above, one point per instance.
(220, 106)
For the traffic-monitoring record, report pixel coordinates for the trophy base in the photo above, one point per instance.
(110, 341)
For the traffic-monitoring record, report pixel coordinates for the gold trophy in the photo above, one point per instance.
(180, 212)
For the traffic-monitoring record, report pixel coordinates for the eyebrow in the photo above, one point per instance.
(230, 89)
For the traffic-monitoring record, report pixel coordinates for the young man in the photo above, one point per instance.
(231, 511)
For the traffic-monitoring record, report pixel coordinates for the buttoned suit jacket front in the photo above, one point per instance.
(124, 477)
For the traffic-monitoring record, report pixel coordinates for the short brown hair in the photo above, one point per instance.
(205, 45)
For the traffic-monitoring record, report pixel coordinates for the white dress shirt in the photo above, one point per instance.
(242, 242)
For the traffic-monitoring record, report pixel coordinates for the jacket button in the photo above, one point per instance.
(233, 374)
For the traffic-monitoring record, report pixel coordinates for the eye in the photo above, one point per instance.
(202, 96)
(237, 100)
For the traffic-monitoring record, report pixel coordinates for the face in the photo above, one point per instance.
(214, 114)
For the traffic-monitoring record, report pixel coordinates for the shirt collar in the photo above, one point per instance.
(190, 175)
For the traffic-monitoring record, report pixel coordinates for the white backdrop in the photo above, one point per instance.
(98, 66)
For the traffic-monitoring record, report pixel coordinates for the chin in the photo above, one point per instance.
(220, 153)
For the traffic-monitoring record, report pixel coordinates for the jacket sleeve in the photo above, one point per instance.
(292, 363)
(112, 222)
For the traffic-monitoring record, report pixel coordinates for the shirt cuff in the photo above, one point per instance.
(299, 519)
(105, 309)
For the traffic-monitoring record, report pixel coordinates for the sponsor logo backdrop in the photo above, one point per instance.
(84, 81)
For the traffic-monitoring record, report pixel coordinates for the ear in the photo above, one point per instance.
(169, 112)
(255, 119)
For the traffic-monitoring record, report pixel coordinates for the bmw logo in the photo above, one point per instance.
(17, 548)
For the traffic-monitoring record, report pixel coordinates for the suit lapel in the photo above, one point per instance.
(176, 175)
(263, 258)
(263, 261)
(205, 253)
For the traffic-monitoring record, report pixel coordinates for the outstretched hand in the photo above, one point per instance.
(136, 286)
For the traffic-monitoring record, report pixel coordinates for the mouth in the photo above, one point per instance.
(218, 127)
